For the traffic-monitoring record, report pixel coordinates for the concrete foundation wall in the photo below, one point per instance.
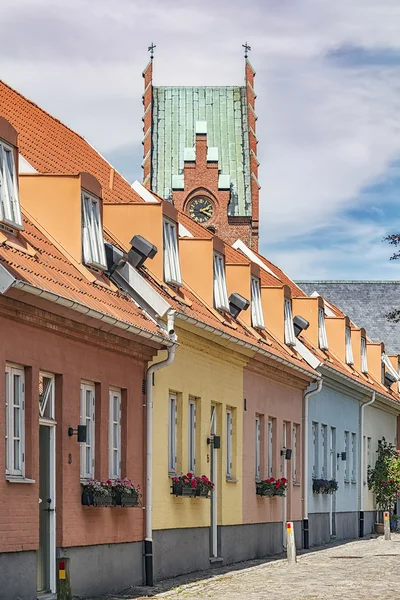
(18, 575)
(244, 542)
(319, 532)
(369, 522)
(347, 527)
(106, 568)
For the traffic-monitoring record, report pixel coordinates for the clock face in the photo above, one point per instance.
(201, 209)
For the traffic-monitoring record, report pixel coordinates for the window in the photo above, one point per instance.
(354, 457)
(270, 447)
(15, 422)
(172, 269)
(192, 436)
(229, 439)
(87, 418)
(220, 292)
(290, 338)
(349, 349)
(332, 452)
(10, 211)
(258, 447)
(46, 396)
(368, 461)
(92, 232)
(295, 441)
(322, 337)
(257, 317)
(315, 450)
(114, 434)
(364, 360)
(172, 432)
(347, 450)
(324, 441)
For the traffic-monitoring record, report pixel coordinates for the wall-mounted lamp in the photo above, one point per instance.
(80, 432)
(342, 455)
(215, 440)
(236, 304)
(299, 325)
(287, 453)
(141, 249)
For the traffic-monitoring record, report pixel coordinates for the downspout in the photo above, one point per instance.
(307, 396)
(148, 541)
(361, 473)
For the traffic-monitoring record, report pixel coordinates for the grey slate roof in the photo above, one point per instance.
(366, 303)
(175, 113)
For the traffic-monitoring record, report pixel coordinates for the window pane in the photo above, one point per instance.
(17, 455)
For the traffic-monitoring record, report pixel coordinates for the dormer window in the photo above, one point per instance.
(349, 348)
(290, 337)
(364, 361)
(322, 337)
(172, 269)
(92, 233)
(257, 317)
(10, 211)
(220, 290)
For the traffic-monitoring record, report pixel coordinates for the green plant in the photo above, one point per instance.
(324, 486)
(271, 487)
(384, 477)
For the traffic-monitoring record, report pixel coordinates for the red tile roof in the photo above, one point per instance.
(51, 147)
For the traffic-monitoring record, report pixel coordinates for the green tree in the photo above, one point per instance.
(384, 477)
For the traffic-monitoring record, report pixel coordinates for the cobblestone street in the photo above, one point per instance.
(360, 570)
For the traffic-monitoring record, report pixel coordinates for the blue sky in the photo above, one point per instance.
(328, 102)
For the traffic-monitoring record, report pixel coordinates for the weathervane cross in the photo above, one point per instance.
(247, 48)
(151, 50)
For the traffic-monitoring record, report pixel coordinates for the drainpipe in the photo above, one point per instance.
(307, 396)
(361, 473)
(148, 542)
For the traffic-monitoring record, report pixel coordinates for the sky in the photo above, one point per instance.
(328, 104)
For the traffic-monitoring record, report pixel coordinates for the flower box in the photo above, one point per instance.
(124, 499)
(191, 486)
(324, 486)
(93, 499)
(271, 487)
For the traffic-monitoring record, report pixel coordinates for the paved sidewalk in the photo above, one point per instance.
(366, 569)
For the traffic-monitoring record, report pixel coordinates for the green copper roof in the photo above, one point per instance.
(175, 113)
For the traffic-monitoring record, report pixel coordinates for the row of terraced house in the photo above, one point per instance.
(144, 337)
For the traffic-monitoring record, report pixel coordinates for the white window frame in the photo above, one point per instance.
(315, 453)
(295, 437)
(87, 418)
(114, 432)
(172, 432)
(94, 253)
(349, 348)
(15, 421)
(324, 443)
(257, 316)
(47, 410)
(354, 458)
(290, 337)
(229, 442)
(347, 450)
(221, 300)
(364, 356)
(192, 435)
(10, 209)
(172, 268)
(258, 447)
(322, 335)
(270, 447)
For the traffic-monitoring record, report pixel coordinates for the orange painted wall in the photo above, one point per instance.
(238, 280)
(197, 266)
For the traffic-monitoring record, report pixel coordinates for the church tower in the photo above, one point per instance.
(200, 152)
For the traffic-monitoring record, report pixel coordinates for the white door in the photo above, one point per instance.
(46, 555)
(333, 475)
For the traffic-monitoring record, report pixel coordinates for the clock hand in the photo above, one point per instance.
(205, 211)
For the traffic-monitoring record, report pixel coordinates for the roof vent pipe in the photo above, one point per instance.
(141, 249)
(236, 304)
(389, 379)
(299, 325)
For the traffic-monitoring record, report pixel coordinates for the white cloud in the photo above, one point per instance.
(326, 130)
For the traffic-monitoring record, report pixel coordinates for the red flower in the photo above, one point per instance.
(176, 479)
(391, 481)
(271, 480)
(189, 475)
(194, 483)
(278, 484)
(283, 480)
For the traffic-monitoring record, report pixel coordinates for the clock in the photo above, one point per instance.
(201, 209)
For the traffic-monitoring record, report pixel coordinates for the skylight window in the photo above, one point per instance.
(349, 349)
(220, 291)
(290, 338)
(172, 269)
(364, 361)
(10, 211)
(92, 233)
(257, 317)
(322, 337)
